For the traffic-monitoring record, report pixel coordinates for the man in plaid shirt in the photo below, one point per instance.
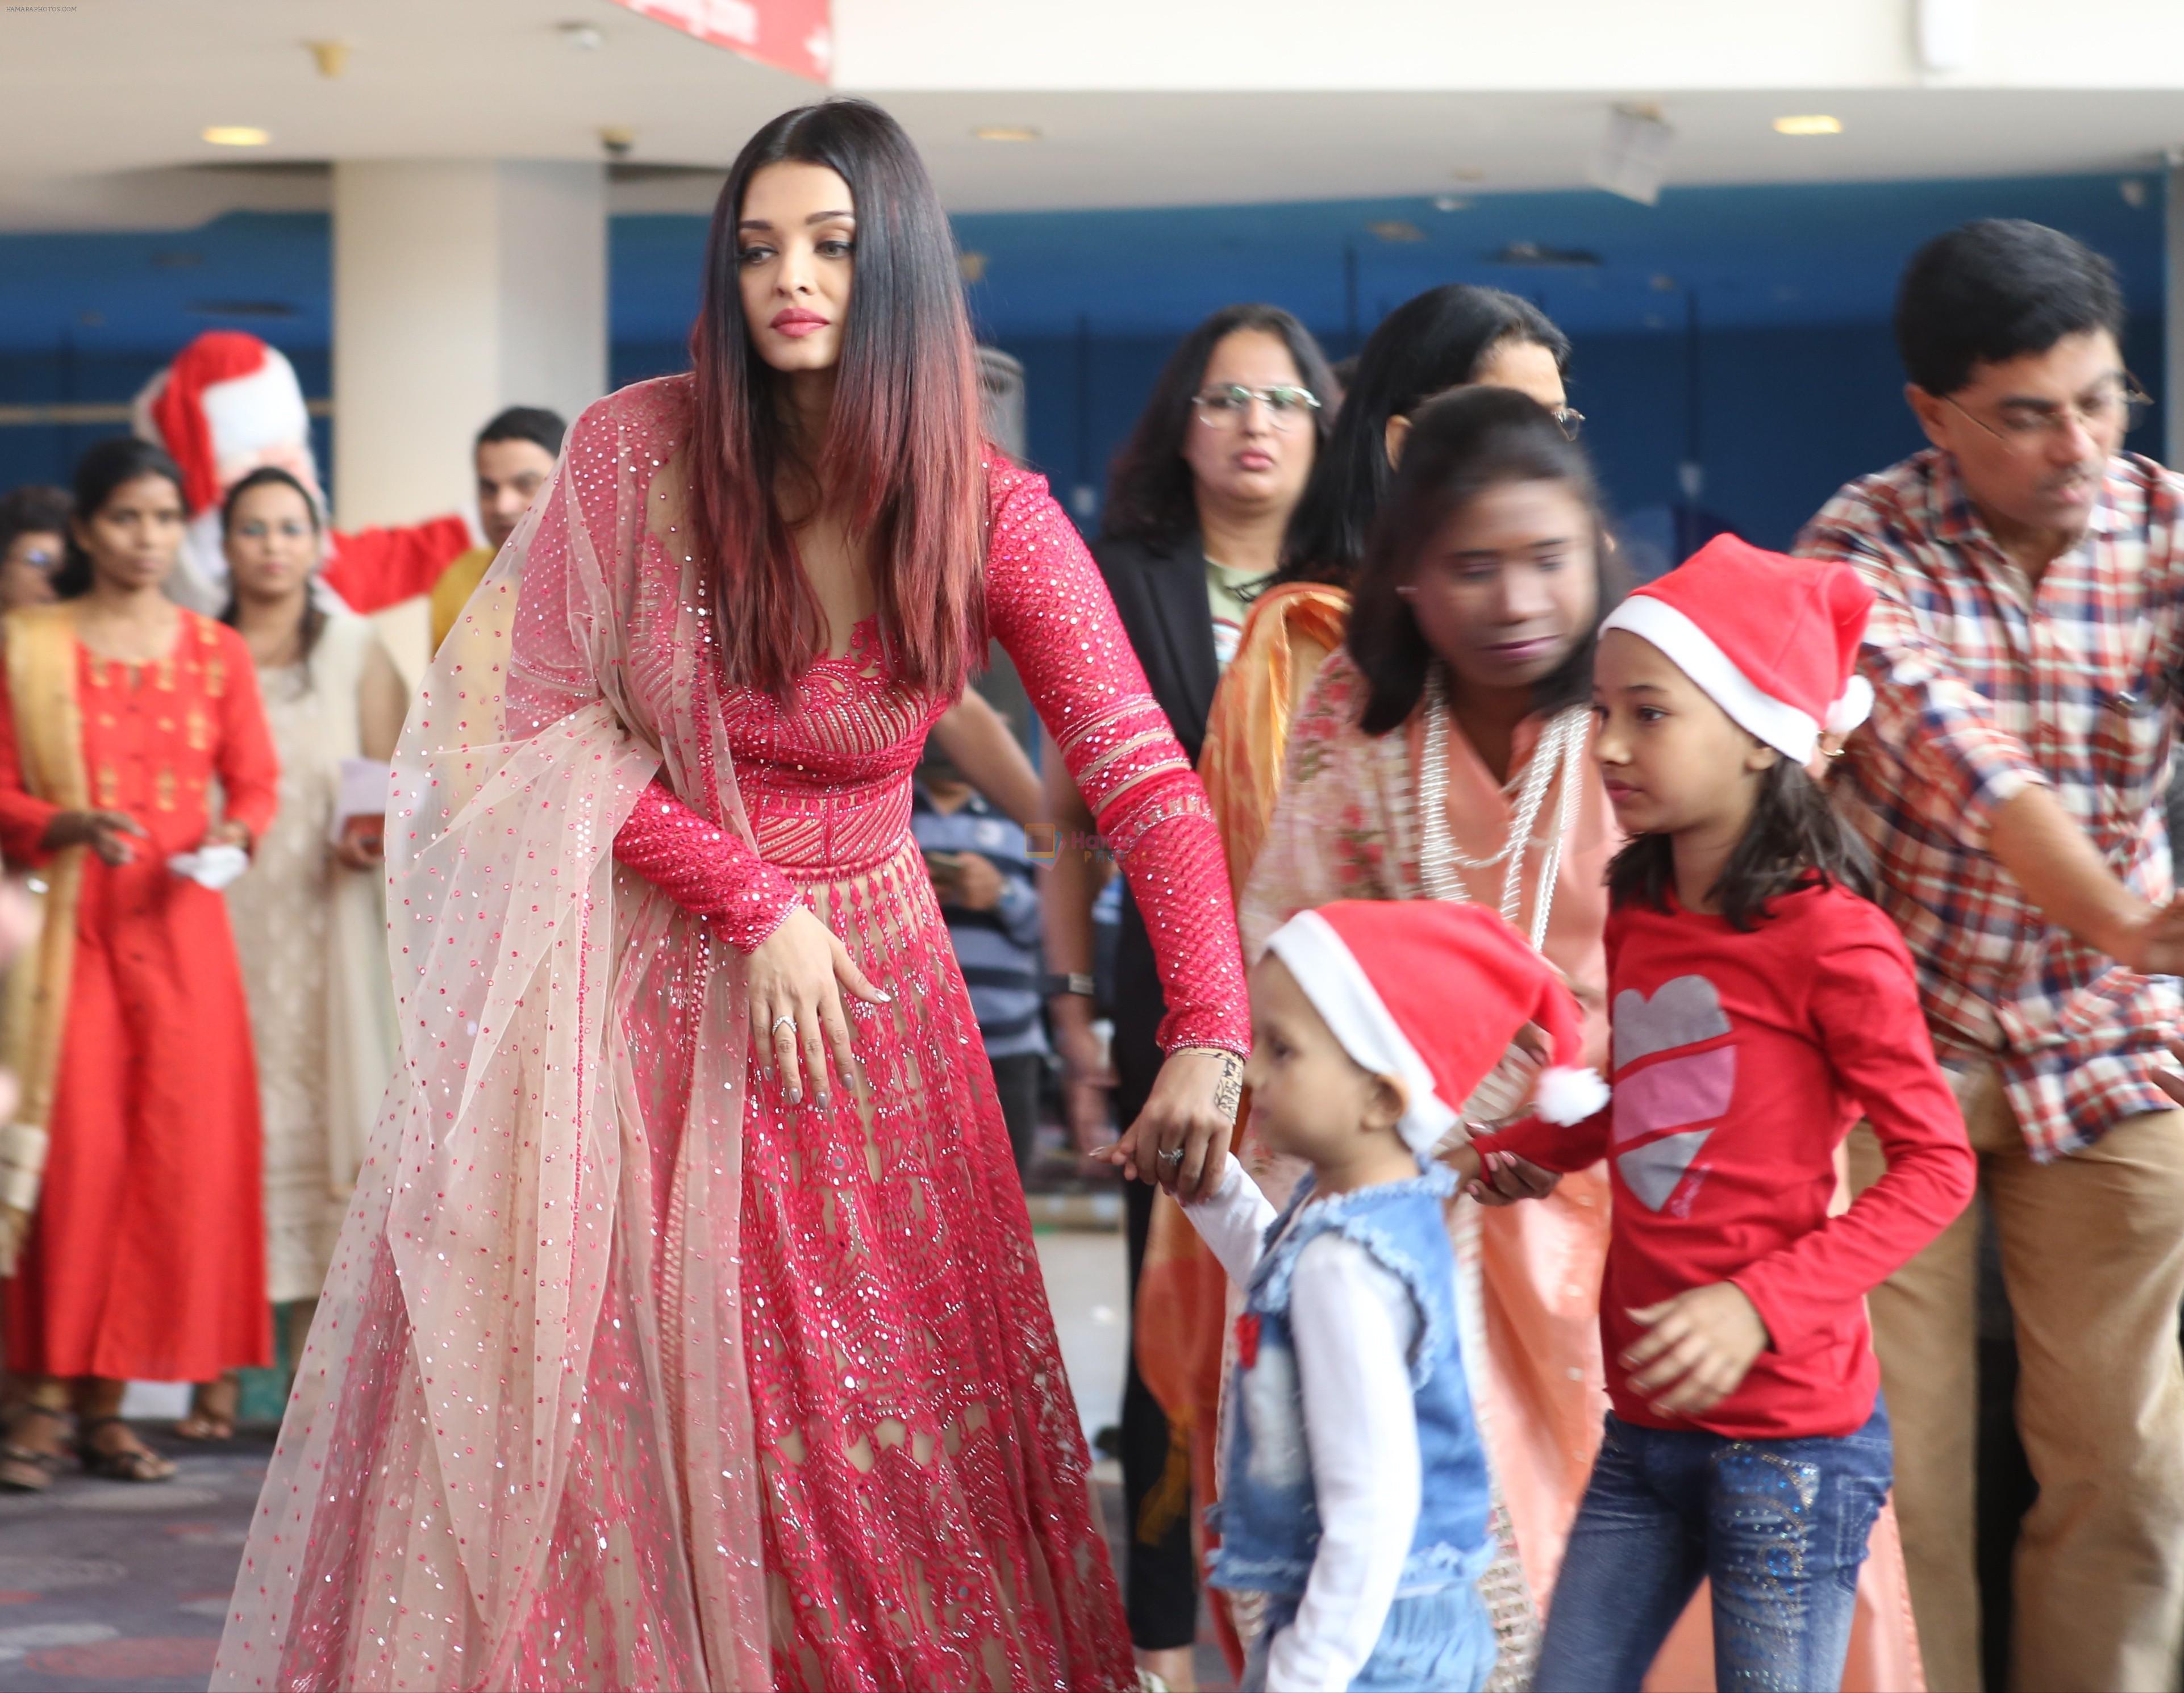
(2023, 652)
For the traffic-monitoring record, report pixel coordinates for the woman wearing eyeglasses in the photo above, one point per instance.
(33, 521)
(1199, 499)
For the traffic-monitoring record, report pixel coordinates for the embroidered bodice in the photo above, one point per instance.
(826, 786)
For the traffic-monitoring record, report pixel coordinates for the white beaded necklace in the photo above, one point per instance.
(1560, 751)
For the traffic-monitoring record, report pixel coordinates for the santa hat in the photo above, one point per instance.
(1432, 993)
(1771, 640)
(225, 399)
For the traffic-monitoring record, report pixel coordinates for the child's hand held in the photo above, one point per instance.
(1518, 1178)
(1499, 1179)
(1700, 1346)
(1122, 1154)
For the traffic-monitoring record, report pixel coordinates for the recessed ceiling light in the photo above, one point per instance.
(1451, 203)
(1397, 230)
(1468, 173)
(1005, 132)
(235, 135)
(1808, 123)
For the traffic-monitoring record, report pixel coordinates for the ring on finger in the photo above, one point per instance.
(780, 1021)
(1174, 1155)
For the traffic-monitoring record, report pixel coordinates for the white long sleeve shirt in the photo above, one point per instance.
(1352, 1325)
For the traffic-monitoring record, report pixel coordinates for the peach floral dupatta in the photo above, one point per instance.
(518, 1451)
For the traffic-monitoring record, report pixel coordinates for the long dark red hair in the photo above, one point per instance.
(902, 459)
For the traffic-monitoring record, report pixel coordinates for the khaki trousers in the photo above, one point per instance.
(2093, 1252)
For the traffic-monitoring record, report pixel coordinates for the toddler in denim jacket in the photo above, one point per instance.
(1355, 1491)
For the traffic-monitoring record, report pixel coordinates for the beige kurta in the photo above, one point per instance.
(312, 935)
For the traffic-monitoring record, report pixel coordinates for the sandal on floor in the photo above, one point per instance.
(204, 1423)
(129, 1463)
(23, 1470)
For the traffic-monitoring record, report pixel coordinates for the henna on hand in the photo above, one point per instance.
(1229, 1091)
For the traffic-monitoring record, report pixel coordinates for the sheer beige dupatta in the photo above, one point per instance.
(41, 668)
(518, 1451)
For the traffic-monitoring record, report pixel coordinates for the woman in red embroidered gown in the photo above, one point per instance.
(131, 731)
(685, 1330)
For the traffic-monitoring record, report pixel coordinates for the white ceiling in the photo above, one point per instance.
(101, 106)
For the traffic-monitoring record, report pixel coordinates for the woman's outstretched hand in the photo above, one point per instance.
(797, 976)
(1181, 1139)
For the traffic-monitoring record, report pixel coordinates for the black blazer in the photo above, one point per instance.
(1160, 593)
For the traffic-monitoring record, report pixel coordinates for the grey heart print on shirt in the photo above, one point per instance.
(1684, 1011)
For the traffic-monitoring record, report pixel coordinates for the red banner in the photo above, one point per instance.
(790, 35)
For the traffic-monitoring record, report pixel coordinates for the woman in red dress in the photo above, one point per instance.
(141, 1253)
(687, 1330)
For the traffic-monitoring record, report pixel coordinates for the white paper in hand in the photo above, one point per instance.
(212, 867)
(363, 792)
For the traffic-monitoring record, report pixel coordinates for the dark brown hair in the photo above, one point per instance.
(1794, 837)
(1150, 496)
(33, 510)
(1459, 447)
(313, 622)
(1430, 343)
(105, 468)
(902, 454)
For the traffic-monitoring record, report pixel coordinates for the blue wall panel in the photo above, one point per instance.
(1795, 385)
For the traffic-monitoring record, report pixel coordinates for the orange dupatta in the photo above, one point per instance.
(1182, 1291)
(41, 669)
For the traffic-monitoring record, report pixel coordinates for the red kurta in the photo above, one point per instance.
(146, 1259)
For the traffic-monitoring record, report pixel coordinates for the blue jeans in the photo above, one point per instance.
(1437, 1642)
(1779, 1527)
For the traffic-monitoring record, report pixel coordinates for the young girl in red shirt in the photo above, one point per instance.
(1761, 1006)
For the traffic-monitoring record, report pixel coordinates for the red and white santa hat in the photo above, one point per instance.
(228, 400)
(1432, 993)
(1772, 640)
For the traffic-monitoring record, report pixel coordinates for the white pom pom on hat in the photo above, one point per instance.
(1568, 1096)
(1852, 709)
(1433, 994)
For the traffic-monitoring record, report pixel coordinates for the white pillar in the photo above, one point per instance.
(460, 286)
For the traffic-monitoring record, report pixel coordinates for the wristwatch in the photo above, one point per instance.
(1070, 981)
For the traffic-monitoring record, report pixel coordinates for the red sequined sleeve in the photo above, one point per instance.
(1049, 608)
(705, 868)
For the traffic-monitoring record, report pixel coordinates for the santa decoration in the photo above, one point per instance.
(1433, 994)
(229, 404)
(1771, 640)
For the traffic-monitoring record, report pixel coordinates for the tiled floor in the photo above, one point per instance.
(105, 1585)
(1088, 1285)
